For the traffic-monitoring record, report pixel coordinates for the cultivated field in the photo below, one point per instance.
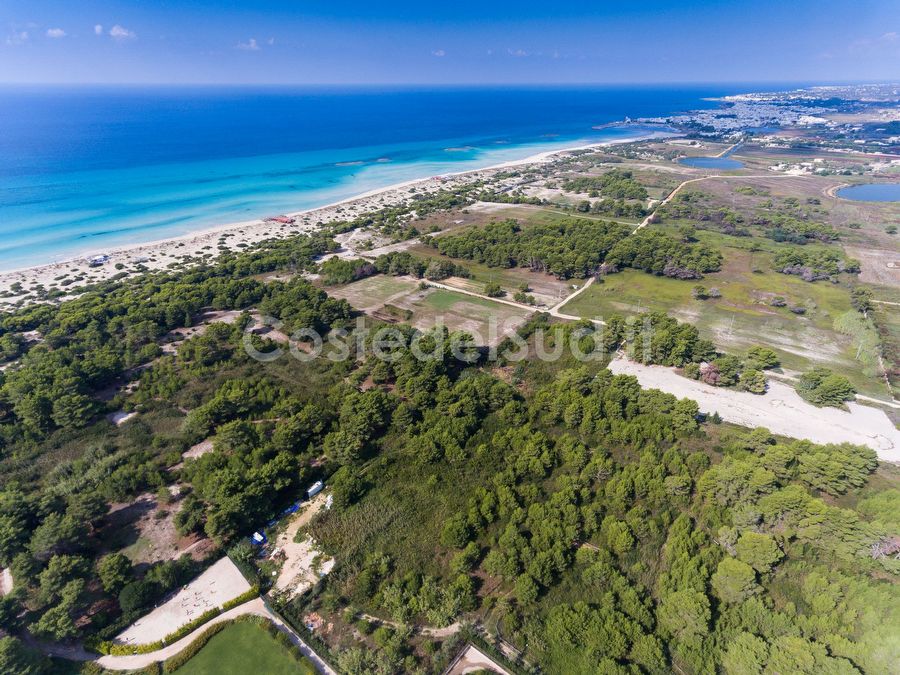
(401, 299)
(373, 293)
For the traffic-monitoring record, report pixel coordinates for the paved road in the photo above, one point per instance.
(257, 607)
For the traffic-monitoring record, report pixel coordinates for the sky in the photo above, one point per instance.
(452, 42)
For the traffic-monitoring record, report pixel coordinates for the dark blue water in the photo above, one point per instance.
(84, 169)
(874, 192)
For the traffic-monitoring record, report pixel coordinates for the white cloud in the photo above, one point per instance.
(870, 46)
(56, 33)
(120, 33)
(438, 52)
(518, 53)
(17, 38)
(98, 29)
(270, 41)
(250, 46)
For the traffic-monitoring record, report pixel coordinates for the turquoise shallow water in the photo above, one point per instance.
(83, 170)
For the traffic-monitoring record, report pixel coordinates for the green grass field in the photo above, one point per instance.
(743, 315)
(373, 291)
(463, 312)
(244, 648)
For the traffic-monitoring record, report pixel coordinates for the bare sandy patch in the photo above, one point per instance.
(878, 266)
(473, 660)
(780, 409)
(145, 530)
(199, 449)
(217, 585)
(119, 418)
(300, 571)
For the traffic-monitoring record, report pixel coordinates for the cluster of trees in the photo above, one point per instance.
(820, 386)
(785, 228)
(511, 197)
(813, 265)
(691, 205)
(618, 208)
(396, 221)
(569, 248)
(399, 263)
(658, 253)
(726, 370)
(615, 184)
(336, 271)
(62, 464)
(579, 248)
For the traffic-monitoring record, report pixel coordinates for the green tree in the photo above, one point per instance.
(762, 358)
(760, 551)
(734, 580)
(16, 658)
(526, 590)
(753, 381)
(135, 595)
(347, 486)
(493, 290)
(114, 571)
(822, 387)
(685, 614)
(455, 533)
(746, 654)
(618, 535)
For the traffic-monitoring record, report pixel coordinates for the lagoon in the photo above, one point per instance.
(724, 163)
(872, 192)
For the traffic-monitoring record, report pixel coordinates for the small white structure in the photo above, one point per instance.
(314, 489)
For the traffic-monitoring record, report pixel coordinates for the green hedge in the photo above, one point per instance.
(115, 649)
(173, 663)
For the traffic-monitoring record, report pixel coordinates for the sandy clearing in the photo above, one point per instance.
(6, 582)
(473, 660)
(217, 585)
(297, 574)
(119, 418)
(198, 450)
(780, 409)
(879, 266)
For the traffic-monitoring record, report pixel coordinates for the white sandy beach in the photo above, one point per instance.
(161, 254)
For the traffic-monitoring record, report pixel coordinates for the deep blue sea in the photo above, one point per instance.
(85, 169)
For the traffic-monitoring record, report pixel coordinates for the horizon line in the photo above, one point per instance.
(370, 85)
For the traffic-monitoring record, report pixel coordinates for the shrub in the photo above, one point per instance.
(822, 387)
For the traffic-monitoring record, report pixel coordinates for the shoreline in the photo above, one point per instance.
(159, 254)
